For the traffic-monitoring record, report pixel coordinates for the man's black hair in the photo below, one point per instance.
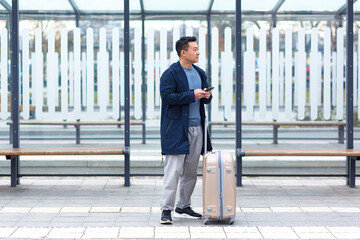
(183, 44)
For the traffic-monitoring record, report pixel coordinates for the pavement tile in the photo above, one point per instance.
(69, 232)
(135, 209)
(333, 224)
(316, 209)
(5, 232)
(278, 232)
(75, 210)
(72, 219)
(105, 209)
(136, 232)
(30, 232)
(11, 216)
(45, 210)
(286, 209)
(207, 232)
(172, 232)
(101, 218)
(99, 224)
(66, 224)
(98, 232)
(135, 224)
(155, 210)
(242, 232)
(8, 224)
(15, 210)
(261, 216)
(255, 210)
(311, 232)
(38, 217)
(350, 232)
(346, 209)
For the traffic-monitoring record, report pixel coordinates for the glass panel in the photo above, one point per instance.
(107, 5)
(247, 5)
(50, 5)
(4, 112)
(174, 5)
(357, 6)
(2, 8)
(311, 5)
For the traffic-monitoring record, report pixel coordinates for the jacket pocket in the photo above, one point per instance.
(168, 127)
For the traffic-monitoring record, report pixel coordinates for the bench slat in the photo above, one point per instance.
(62, 151)
(75, 123)
(302, 152)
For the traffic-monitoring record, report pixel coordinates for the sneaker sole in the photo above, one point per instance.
(166, 222)
(184, 215)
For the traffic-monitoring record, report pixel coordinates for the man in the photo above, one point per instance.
(182, 126)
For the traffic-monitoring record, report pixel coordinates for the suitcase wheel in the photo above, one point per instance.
(231, 220)
(206, 220)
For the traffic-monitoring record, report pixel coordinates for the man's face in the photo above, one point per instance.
(192, 53)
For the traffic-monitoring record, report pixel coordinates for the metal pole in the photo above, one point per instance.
(143, 88)
(14, 51)
(238, 95)
(127, 91)
(274, 20)
(349, 87)
(77, 20)
(209, 65)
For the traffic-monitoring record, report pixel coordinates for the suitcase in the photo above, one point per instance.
(219, 186)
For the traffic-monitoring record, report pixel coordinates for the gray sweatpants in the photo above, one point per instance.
(182, 166)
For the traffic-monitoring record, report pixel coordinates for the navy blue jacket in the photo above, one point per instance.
(176, 97)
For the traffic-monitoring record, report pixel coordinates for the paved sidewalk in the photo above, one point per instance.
(101, 208)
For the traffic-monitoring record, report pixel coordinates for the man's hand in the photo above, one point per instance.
(207, 94)
(199, 93)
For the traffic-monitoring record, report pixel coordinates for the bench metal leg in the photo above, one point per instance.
(143, 132)
(341, 134)
(275, 134)
(127, 166)
(239, 154)
(239, 171)
(347, 171)
(77, 127)
(351, 171)
(14, 171)
(18, 170)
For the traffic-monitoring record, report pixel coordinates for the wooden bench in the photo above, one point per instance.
(76, 124)
(31, 108)
(352, 156)
(13, 153)
(277, 124)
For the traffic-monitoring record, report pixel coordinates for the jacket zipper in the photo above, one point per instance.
(167, 129)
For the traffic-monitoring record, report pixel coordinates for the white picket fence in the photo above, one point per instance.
(271, 89)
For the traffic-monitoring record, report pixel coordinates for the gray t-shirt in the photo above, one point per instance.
(194, 107)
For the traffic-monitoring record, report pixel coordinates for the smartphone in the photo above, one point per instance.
(208, 89)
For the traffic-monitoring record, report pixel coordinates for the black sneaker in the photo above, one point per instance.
(166, 217)
(186, 213)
